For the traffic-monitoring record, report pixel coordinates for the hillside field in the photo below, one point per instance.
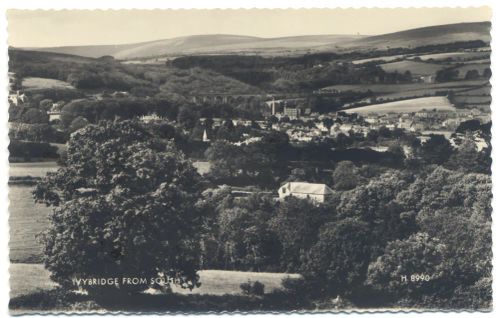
(416, 68)
(417, 87)
(387, 58)
(26, 221)
(30, 83)
(439, 103)
(457, 56)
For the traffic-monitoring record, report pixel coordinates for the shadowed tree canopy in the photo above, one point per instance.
(128, 200)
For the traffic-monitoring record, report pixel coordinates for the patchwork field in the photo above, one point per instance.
(438, 103)
(416, 68)
(44, 83)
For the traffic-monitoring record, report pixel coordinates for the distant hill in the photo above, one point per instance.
(202, 44)
(220, 43)
(438, 34)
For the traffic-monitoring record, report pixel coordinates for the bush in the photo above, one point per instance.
(252, 288)
(32, 150)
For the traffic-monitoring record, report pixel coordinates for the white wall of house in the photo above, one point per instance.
(284, 192)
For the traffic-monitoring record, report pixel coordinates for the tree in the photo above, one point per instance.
(345, 176)
(224, 159)
(187, 117)
(487, 73)
(127, 199)
(296, 223)
(245, 236)
(455, 208)
(273, 119)
(469, 125)
(447, 74)
(410, 270)
(372, 135)
(78, 123)
(35, 116)
(376, 204)
(32, 132)
(46, 104)
(472, 74)
(285, 119)
(328, 123)
(468, 159)
(436, 150)
(337, 263)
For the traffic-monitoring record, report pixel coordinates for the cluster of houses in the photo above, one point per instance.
(422, 122)
(427, 120)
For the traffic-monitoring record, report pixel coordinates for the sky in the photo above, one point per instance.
(38, 28)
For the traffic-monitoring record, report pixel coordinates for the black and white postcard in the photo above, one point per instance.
(250, 160)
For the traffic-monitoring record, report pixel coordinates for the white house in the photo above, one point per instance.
(315, 191)
(150, 117)
(18, 98)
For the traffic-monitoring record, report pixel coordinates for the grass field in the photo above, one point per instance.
(33, 169)
(439, 103)
(26, 221)
(29, 278)
(457, 56)
(43, 83)
(387, 58)
(483, 90)
(416, 68)
(472, 99)
(482, 61)
(219, 282)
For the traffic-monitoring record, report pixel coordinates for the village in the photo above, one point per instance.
(260, 178)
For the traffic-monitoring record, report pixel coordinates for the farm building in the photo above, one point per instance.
(317, 192)
(18, 98)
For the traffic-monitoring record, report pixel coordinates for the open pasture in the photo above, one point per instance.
(483, 90)
(26, 220)
(415, 67)
(438, 103)
(387, 58)
(30, 83)
(456, 56)
(472, 99)
(221, 282)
